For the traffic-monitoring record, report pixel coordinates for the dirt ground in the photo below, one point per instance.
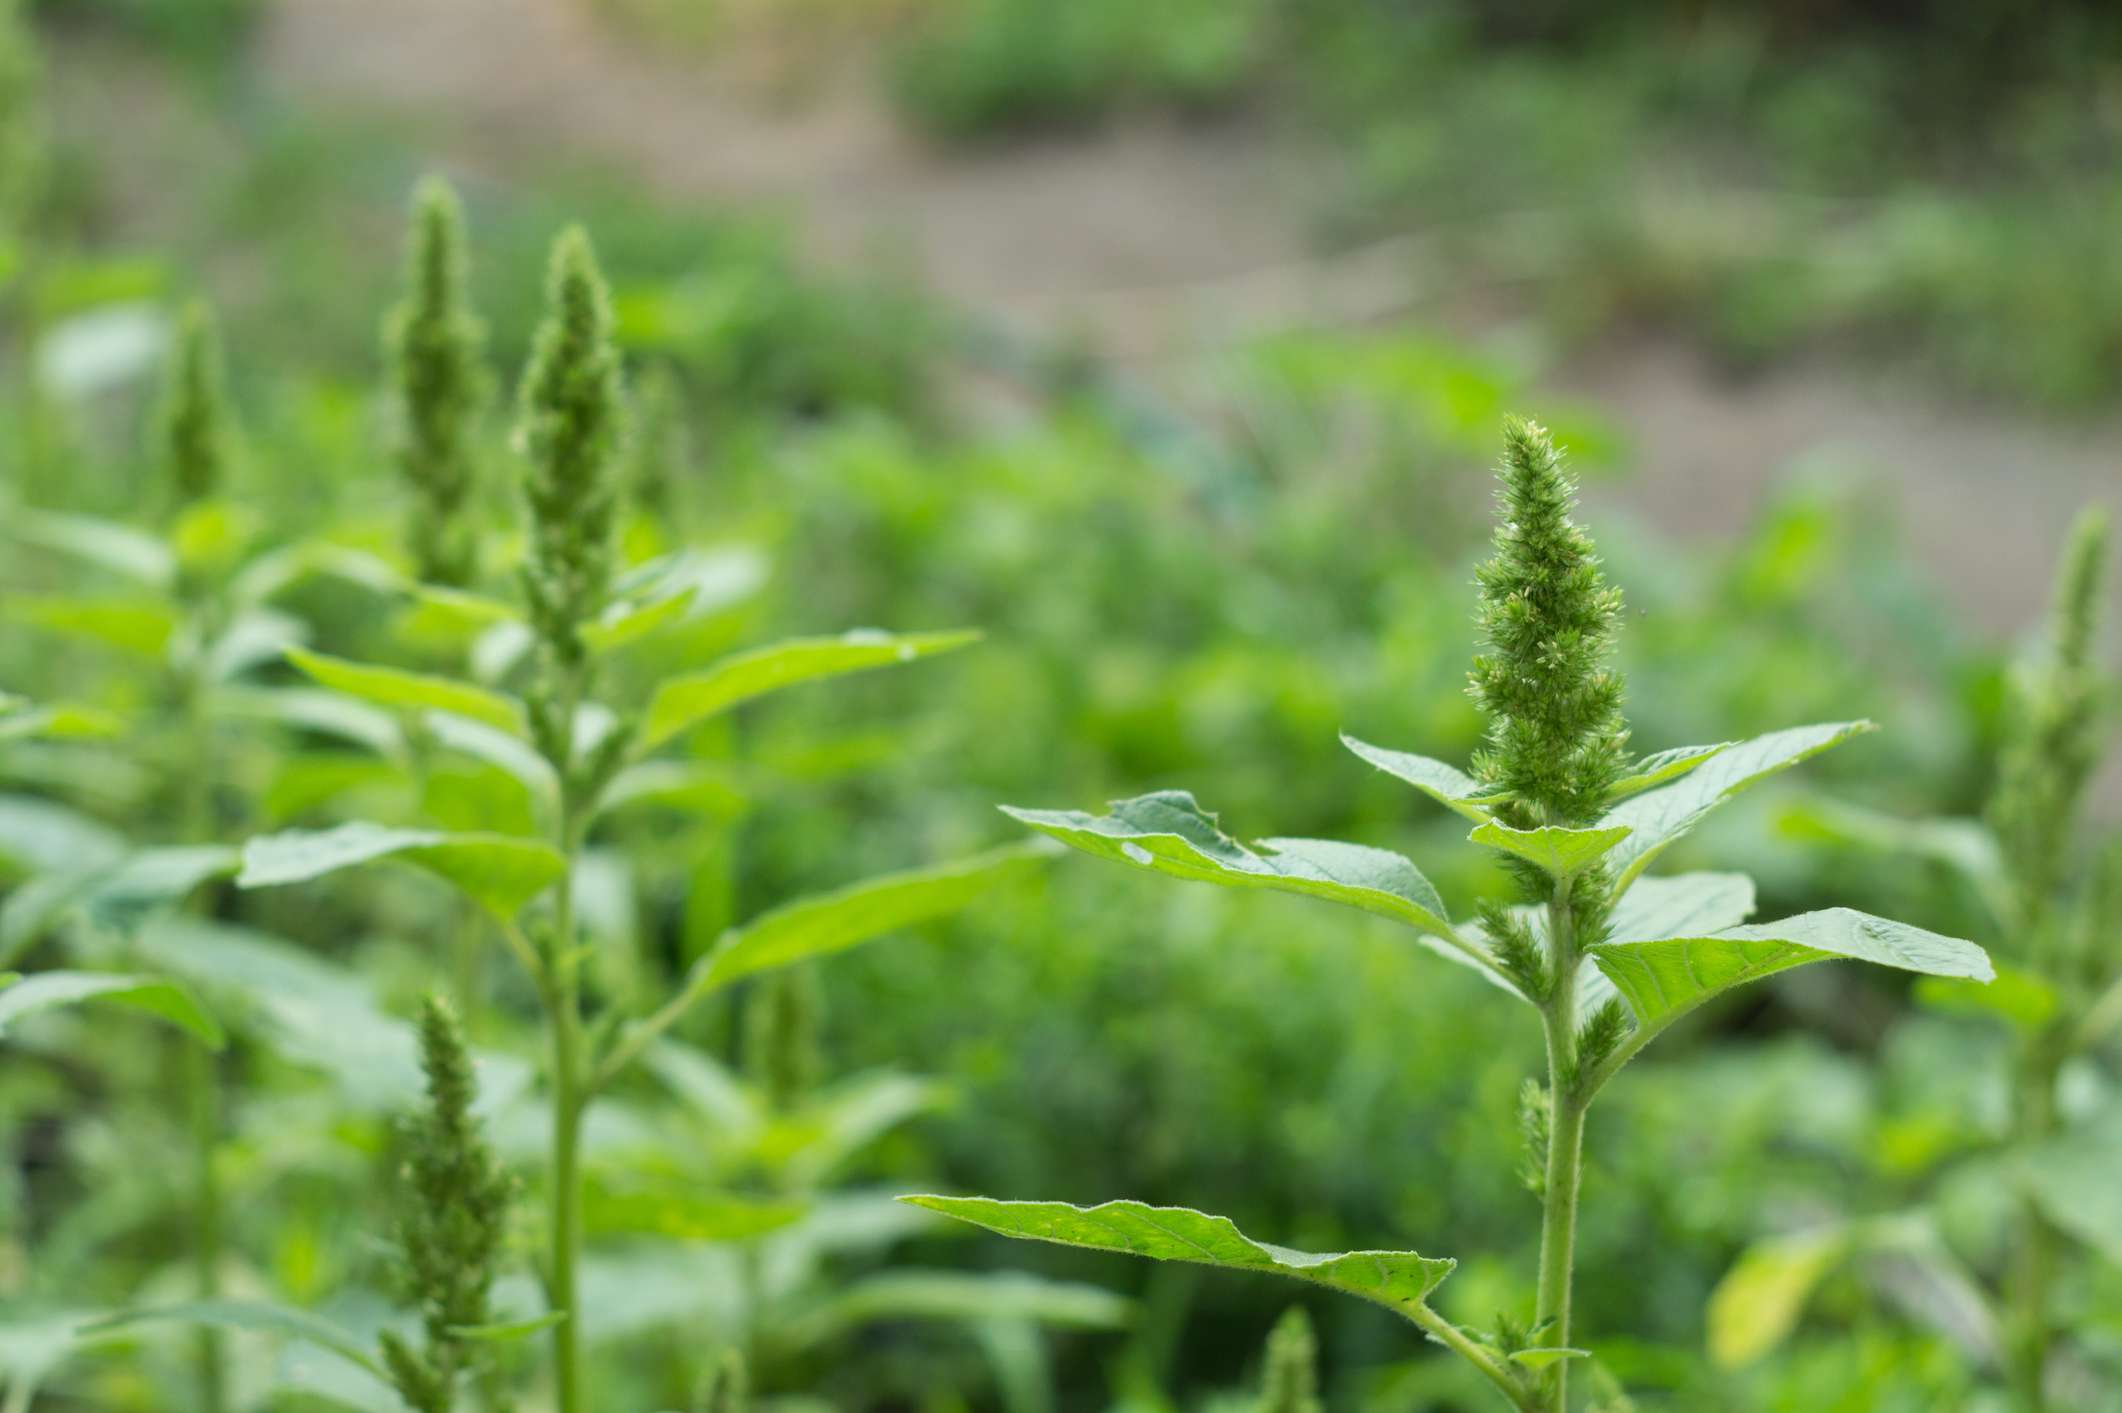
(1154, 242)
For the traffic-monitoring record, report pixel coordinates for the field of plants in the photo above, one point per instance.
(585, 721)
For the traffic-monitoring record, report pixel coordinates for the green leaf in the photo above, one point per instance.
(38, 836)
(1683, 905)
(627, 623)
(1446, 784)
(106, 544)
(1663, 980)
(46, 989)
(59, 722)
(695, 787)
(1169, 833)
(1546, 1355)
(1757, 1304)
(1963, 844)
(833, 922)
(509, 1331)
(1661, 769)
(256, 1316)
(1397, 1280)
(682, 702)
(1563, 853)
(392, 687)
(1658, 817)
(311, 709)
(498, 871)
(142, 626)
(511, 755)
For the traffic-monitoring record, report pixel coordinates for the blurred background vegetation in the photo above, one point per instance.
(1166, 340)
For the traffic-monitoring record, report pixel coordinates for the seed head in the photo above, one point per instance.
(191, 434)
(1291, 1381)
(568, 430)
(1555, 733)
(433, 343)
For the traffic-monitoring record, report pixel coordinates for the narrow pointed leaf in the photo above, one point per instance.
(499, 872)
(153, 995)
(964, 1295)
(1395, 1279)
(682, 702)
(1659, 817)
(142, 626)
(1169, 833)
(256, 1316)
(1662, 769)
(628, 623)
(836, 921)
(1546, 1355)
(508, 1331)
(1564, 853)
(1663, 980)
(1446, 784)
(412, 691)
(107, 544)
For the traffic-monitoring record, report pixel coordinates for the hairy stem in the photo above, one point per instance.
(1565, 1144)
(1492, 1369)
(571, 1075)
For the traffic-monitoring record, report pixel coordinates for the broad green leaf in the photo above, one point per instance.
(38, 836)
(681, 702)
(143, 626)
(255, 1316)
(1446, 784)
(58, 722)
(1169, 833)
(1564, 853)
(1661, 769)
(116, 895)
(106, 544)
(391, 687)
(808, 1146)
(313, 1013)
(510, 754)
(280, 569)
(142, 993)
(833, 922)
(1398, 1280)
(1659, 817)
(312, 709)
(1683, 905)
(1757, 1304)
(1663, 980)
(627, 623)
(498, 871)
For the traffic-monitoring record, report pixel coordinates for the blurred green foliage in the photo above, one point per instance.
(1161, 596)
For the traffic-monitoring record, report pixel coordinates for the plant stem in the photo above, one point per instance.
(200, 1077)
(2033, 1267)
(570, 1077)
(1448, 1335)
(1565, 1146)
